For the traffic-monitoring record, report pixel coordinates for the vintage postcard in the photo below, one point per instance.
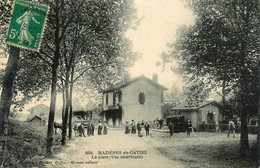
(129, 83)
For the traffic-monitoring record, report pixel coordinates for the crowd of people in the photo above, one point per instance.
(133, 128)
(130, 128)
(90, 127)
(139, 126)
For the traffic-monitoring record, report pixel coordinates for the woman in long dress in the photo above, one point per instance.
(127, 128)
(105, 128)
(100, 128)
(24, 21)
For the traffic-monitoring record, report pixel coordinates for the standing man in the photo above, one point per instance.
(132, 125)
(88, 129)
(100, 126)
(147, 128)
(171, 127)
(81, 130)
(105, 128)
(92, 128)
(189, 127)
(231, 128)
(139, 129)
(75, 128)
(133, 128)
(127, 128)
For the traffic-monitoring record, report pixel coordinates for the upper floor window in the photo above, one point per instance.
(114, 98)
(106, 99)
(141, 97)
(120, 96)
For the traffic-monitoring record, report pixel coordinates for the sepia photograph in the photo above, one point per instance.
(129, 83)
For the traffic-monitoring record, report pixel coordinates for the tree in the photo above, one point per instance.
(88, 39)
(223, 46)
(11, 68)
(18, 89)
(8, 83)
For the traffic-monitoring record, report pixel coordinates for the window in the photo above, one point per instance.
(114, 98)
(210, 117)
(141, 98)
(106, 99)
(162, 97)
(120, 96)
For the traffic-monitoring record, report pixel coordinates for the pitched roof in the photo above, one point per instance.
(184, 106)
(30, 118)
(130, 81)
(43, 105)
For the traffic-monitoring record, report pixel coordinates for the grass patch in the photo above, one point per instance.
(207, 151)
(25, 145)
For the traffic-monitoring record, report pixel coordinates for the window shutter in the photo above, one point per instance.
(141, 98)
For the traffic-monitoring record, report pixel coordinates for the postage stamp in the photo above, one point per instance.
(27, 25)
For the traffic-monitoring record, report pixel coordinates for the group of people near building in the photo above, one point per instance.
(139, 126)
(80, 129)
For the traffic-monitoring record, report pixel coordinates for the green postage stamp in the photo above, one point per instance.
(27, 25)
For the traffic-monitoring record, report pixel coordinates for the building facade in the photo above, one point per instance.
(36, 121)
(137, 99)
(206, 112)
(39, 115)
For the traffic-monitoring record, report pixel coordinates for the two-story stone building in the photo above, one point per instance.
(138, 99)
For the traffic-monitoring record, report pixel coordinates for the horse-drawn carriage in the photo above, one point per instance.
(178, 122)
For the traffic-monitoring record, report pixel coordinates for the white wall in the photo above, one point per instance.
(132, 109)
(204, 110)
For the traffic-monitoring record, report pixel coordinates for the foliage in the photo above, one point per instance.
(23, 143)
(223, 47)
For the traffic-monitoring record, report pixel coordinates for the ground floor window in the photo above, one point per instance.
(209, 117)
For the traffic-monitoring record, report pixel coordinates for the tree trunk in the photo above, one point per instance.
(63, 104)
(71, 89)
(258, 135)
(53, 85)
(53, 103)
(224, 94)
(65, 120)
(8, 82)
(244, 144)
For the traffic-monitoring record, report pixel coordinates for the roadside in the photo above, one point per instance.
(113, 150)
(200, 150)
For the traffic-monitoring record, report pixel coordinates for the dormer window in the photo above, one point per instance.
(141, 97)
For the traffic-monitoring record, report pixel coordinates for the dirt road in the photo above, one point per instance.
(115, 150)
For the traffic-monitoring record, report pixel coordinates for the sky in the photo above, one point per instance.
(161, 19)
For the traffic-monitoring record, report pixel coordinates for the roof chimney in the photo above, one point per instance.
(155, 77)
